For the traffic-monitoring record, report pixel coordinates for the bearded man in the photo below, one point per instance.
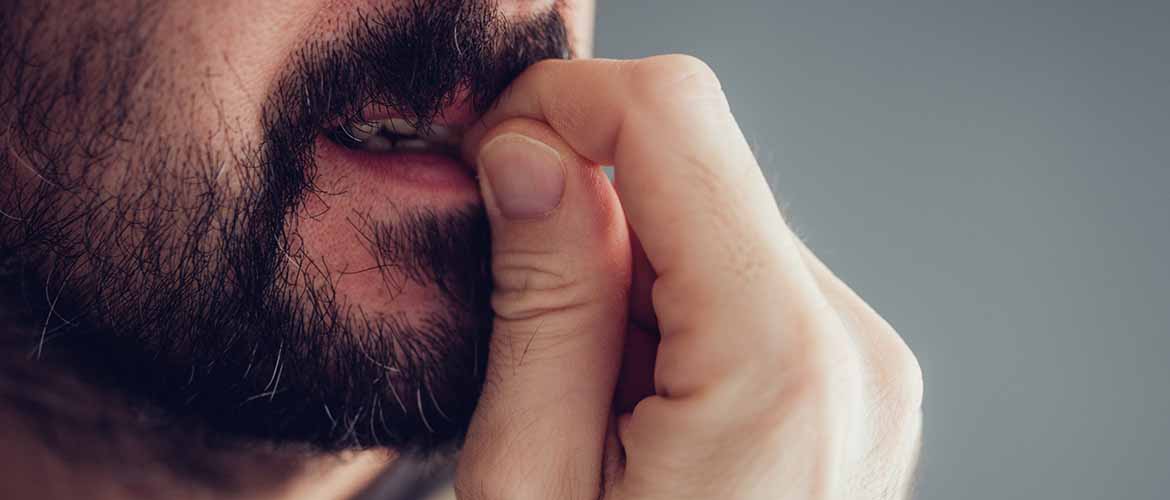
(256, 249)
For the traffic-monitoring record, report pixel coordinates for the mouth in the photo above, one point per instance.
(381, 143)
(396, 135)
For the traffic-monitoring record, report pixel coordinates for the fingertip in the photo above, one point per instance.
(522, 178)
(534, 130)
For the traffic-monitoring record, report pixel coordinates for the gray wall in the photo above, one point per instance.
(992, 175)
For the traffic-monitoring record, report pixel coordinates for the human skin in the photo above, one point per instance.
(772, 379)
(230, 60)
(173, 175)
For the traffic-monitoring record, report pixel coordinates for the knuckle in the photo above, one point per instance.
(535, 284)
(816, 362)
(814, 338)
(824, 366)
(905, 381)
(530, 271)
(522, 306)
(822, 360)
(529, 286)
(672, 75)
(897, 375)
(542, 68)
(824, 380)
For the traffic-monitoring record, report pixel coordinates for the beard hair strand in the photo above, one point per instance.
(192, 301)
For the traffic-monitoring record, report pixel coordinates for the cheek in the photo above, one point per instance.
(334, 241)
(335, 257)
(223, 56)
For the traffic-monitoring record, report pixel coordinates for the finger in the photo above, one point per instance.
(747, 338)
(561, 265)
(730, 277)
(893, 386)
(636, 379)
(891, 369)
(641, 288)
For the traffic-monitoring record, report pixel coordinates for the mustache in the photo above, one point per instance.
(415, 60)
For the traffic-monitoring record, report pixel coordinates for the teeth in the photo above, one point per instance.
(413, 145)
(378, 144)
(444, 135)
(361, 131)
(396, 134)
(437, 134)
(399, 126)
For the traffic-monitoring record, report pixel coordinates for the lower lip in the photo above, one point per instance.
(425, 171)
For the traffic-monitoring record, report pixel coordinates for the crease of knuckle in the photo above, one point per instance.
(539, 298)
(519, 271)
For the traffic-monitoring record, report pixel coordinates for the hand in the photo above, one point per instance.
(771, 378)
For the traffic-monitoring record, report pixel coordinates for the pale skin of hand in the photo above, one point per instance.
(772, 378)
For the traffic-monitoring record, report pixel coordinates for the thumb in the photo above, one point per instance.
(561, 265)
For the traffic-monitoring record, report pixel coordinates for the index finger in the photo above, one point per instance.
(694, 195)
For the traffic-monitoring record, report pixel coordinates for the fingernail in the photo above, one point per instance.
(526, 177)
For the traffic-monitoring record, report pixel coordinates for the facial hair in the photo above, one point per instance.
(180, 294)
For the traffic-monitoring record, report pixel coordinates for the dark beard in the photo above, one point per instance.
(181, 296)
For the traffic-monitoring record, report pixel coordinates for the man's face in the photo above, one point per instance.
(250, 213)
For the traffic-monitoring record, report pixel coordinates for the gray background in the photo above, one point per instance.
(993, 177)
